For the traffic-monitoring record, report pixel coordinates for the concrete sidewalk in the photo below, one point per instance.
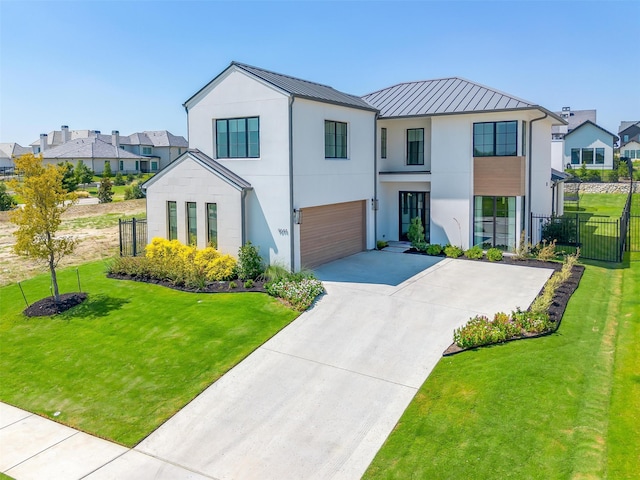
(317, 400)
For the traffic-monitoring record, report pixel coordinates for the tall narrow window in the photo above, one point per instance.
(192, 223)
(121, 165)
(575, 156)
(335, 139)
(238, 138)
(383, 143)
(212, 225)
(587, 156)
(172, 220)
(415, 146)
(600, 156)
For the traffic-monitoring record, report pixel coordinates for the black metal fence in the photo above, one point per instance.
(133, 237)
(598, 237)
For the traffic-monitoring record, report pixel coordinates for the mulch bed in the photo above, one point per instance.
(48, 306)
(556, 311)
(214, 287)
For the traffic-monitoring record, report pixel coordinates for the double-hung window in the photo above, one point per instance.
(238, 137)
(415, 146)
(495, 139)
(335, 139)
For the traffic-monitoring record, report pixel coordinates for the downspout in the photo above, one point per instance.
(291, 224)
(375, 181)
(243, 215)
(529, 172)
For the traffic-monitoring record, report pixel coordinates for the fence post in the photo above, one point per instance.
(120, 234)
(135, 238)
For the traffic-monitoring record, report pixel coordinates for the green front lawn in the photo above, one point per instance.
(562, 406)
(600, 204)
(128, 358)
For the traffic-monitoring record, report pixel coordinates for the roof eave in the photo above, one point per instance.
(473, 112)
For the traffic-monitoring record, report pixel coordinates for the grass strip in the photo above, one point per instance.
(131, 356)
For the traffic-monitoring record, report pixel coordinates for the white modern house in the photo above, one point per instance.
(311, 174)
(591, 145)
(630, 140)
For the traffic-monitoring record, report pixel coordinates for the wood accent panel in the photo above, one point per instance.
(501, 176)
(332, 231)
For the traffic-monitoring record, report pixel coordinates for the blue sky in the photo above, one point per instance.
(129, 66)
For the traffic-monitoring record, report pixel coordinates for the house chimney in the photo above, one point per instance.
(65, 133)
(115, 138)
(43, 142)
(94, 133)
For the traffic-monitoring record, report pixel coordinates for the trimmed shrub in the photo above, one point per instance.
(133, 192)
(250, 265)
(421, 246)
(434, 249)
(416, 231)
(494, 255)
(380, 244)
(248, 284)
(474, 253)
(452, 251)
(299, 294)
(119, 179)
(7, 202)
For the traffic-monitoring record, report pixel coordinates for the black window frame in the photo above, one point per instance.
(214, 243)
(419, 153)
(331, 140)
(590, 152)
(172, 226)
(383, 142)
(599, 156)
(497, 141)
(192, 238)
(224, 149)
(575, 156)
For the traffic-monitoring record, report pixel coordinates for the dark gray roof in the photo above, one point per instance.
(626, 124)
(221, 170)
(558, 176)
(575, 118)
(589, 122)
(297, 87)
(443, 96)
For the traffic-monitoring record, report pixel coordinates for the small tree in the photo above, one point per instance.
(45, 200)
(105, 192)
(69, 179)
(83, 173)
(416, 231)
(106, 173)
(7, 202)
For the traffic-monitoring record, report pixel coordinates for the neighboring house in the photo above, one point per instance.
(8, 152)
(95, 153)
(589, 144)
(630, 140)
(311, 174)
(574, 118)
(160, 147)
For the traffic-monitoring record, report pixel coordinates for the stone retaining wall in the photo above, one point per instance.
(604, 187)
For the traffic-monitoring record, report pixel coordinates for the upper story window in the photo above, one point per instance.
(415, 146)
(238, 137)
(495, 139)
(335, 139)
(625, 138)
(383, 143)
(147, 150)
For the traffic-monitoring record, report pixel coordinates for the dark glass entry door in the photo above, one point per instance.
(412, 205)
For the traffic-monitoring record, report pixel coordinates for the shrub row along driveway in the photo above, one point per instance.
(319, 399)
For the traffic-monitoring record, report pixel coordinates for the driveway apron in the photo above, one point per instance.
(318, 400)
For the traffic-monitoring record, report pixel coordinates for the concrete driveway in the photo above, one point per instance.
(319, 399)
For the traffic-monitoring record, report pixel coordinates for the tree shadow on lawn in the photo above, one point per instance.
(96, 306)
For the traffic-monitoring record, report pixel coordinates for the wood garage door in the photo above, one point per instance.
(332, 231)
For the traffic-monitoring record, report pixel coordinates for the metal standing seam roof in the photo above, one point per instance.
(442, 96)
(219, 169)
(297, 87)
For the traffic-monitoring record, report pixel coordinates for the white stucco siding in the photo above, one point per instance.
(236, 95)
(191, 182)
(590, 136)
(541, 194)
(631, 150)
(557, 155)
(322, 181)
(397, 144)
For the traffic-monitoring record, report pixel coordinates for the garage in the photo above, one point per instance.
(329, 232)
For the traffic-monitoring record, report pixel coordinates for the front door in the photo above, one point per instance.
(412, 205)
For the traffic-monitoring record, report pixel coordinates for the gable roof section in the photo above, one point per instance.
(589, 122)
(626, 124)
(209, 164)
(293, 86)
(10, 150)
(445, 96)
(92, 147)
